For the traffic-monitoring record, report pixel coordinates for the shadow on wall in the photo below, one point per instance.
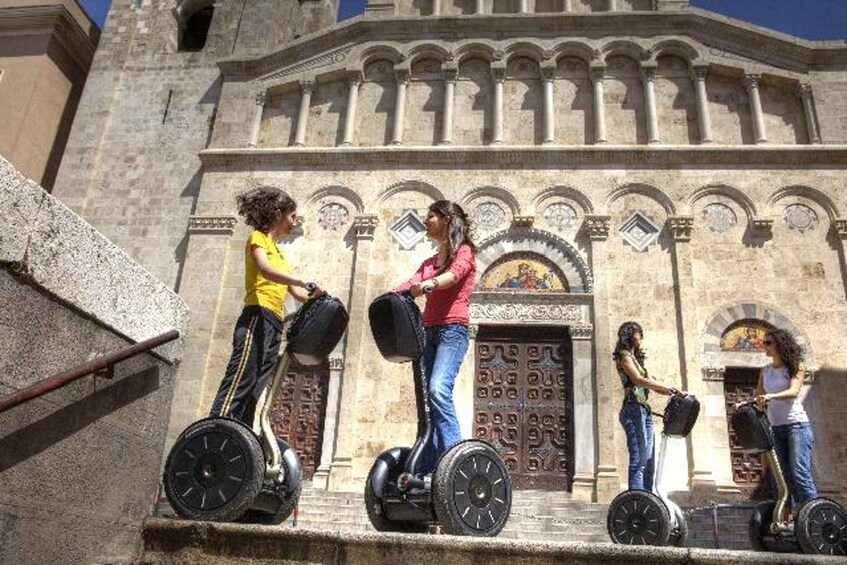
(38, 436)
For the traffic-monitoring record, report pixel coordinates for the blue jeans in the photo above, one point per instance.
(443, 354)
(793, 445)
(638, 426)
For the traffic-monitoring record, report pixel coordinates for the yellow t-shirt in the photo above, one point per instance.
(259, 290)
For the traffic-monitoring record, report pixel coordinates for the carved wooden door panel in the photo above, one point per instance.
(749, 469)
(523, 403)
(298, 414)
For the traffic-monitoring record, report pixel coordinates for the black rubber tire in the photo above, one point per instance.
(679, 535)
(285, 498)
(472, 490)
(759, 530)
(394, 459)
(214, 470)
(638, 517)
(821, 527)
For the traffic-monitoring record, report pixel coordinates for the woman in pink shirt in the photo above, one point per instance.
(449, 276)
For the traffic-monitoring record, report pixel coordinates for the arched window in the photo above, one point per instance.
(196, 30)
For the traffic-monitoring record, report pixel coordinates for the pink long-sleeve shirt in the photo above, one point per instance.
(447, 305)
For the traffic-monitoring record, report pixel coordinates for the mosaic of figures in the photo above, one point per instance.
(745, 335)
(523, 272)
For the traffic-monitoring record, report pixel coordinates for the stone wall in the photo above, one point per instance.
(80, 466)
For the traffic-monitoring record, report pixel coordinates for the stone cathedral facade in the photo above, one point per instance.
(622, 159)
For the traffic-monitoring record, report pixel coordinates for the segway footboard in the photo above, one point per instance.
(277, 501)
(387, 510)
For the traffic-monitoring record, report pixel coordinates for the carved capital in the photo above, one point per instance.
(810, 376)
(211, 224)
(581, 332)
(354, 78)
(761, 227)
(839, 226)
(751, 82)
(307, 86)
(450, 74)
(597, 72)
(699, 72)
(498, 73)
(595, 227)
(261, 98)
(473, 330)
(680, 227)
(523, 221)
(365, 225)
(713, 373)
(548, 72)
(804, 91)
(336, 363)
(402, 76)
(647, 75)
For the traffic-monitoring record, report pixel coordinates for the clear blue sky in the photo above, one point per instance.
(810, 19)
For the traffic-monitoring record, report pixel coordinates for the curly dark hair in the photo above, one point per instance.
(261, 206)
(458, 229)
(788, 349)
(626, 340)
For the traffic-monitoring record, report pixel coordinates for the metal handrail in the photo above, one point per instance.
(57, 381)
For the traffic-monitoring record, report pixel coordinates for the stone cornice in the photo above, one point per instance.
(530, 157)
(56, 20)
(742, 39)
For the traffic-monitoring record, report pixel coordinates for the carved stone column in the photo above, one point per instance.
(547, 76)
(450, 76)
(647, 78)
(698, 75)
(613, 5)
(751, 82)
(306, 87)
(597, 75)
(261, 98)
(499, 75)
(567, 6)
(585, 449)
(354, 81)
(805, 93)
(436, 7)
(333, 398)
(480, 6)
(523, 6)
(340, 473)
(596, 230)
(402, 77)
(702, 465)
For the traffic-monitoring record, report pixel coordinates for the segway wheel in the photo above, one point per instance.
(679, 534)
(759, 530)
(214, 470)
(385, 469)
(821, 527)
(277, 502)
(472, 490)
(638, 517)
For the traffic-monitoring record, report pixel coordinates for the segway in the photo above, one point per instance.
(820, 526)
(470, 492)
(641, 517)
(221, 469)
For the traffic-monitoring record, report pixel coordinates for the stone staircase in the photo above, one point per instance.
(536, 515)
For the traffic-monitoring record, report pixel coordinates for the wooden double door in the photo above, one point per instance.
(299, 412)
(749, 469)
(523, 402)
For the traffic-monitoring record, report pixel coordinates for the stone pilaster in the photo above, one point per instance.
(354, 81)
(598, 73)
(648, 80)
(306, 89)
(498, 74)
(701, 466)
(584, 382)
(698, 75)
(804, 91)
(402, 77)
(480, 6)
(548, 74)
(450, 76)
(596, 230)
(751, 83)
(333, 398)
(261, 97)
(341, 468)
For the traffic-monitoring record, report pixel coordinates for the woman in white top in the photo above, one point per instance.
(779, 389)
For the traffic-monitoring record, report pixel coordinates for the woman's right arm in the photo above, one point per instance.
(635, 377)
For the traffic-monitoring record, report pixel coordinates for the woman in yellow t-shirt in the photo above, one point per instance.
(267, 279)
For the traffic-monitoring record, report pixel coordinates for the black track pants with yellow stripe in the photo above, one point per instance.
(255, 346)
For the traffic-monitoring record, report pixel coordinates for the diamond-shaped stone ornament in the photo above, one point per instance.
(408, 229)
(639, 230)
